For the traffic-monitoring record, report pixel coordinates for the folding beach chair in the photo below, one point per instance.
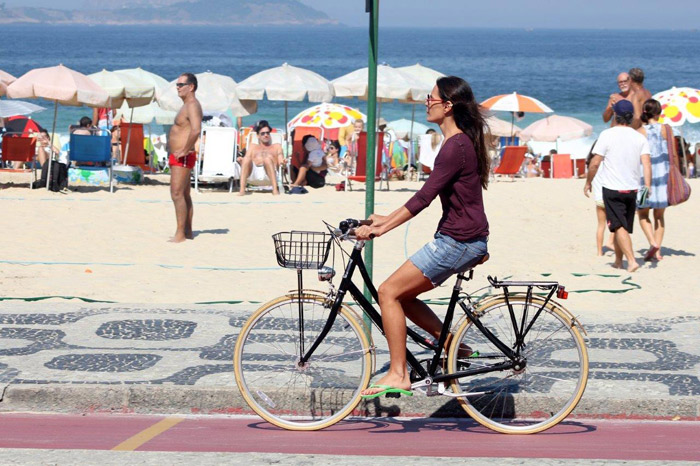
(216, 160)
(509, 141)
(243, 138)
(92, 149)
(562, 166)
(512, 158)
(426, 155)
(17, 148)
(132, 136)
(359, 170)
(579, 167)
(295, 160)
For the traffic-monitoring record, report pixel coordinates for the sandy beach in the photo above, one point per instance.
(113, 247)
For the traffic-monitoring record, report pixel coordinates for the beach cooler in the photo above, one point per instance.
(88, 176)
(128, 174)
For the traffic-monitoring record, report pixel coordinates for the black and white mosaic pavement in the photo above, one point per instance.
(131, 345)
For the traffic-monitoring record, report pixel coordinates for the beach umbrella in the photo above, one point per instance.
(22, 125)
(18, 107)
(146, 114)
(498, 127)
(61, 85)
(215, 92)
(555, 128)
(515, 103)
(287, 83)
(124, 87)
(679, 105)
(5, 80)
(392, 84)
(327, 116)
(404, 127)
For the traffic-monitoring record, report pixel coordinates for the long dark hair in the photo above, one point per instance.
(651, 109)
(469, 119)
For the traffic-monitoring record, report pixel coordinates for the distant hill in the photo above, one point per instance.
(177, 12)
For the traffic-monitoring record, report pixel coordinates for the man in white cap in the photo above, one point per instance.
(620, 150)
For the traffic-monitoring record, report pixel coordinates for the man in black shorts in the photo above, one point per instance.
(618, 152)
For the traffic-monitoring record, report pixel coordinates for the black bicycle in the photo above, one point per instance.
(301, 360)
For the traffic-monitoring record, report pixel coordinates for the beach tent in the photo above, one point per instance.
(61, 85)
(287, 83)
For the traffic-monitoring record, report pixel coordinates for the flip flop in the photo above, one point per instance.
(386, 389)
(650, 253)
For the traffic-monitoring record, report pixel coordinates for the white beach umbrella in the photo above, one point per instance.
(124, 87)
(392, 84)
(215, 92)
(426, 76)
(5, 80)
(62, 86)
(286, 83)
(10, 108)
(404, 127)
(146, 114)
(499, 127)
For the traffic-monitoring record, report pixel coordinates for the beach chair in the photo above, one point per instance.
(579, 167)
(546, 166)
(17, 148)
(359, 170)
(276, 137)
(243, 138)
(562, 166)
(297, 156)
(426, 155)
(512, 158)
(132, 136)
(92, 149)
(216, 161)
(509, 141)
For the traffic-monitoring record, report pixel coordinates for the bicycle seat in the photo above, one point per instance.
(483, 259)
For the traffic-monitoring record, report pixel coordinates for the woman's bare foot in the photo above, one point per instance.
(617, 265)
(632, 267)
(391, 381)
(177, 239)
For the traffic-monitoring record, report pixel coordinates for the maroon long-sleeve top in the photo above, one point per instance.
(455, 179)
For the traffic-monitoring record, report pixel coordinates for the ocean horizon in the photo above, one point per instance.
(572, 71)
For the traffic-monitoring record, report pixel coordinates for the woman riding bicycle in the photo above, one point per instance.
(460, 174)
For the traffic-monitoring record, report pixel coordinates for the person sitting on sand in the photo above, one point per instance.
(84, 128)
(313, 169)
(622, 148)
(532, 168)
(261, 160)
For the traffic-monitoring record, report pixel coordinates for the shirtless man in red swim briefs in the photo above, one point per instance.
(183, 135)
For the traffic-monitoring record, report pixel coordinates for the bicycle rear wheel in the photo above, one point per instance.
(536, 397)
(301, 397)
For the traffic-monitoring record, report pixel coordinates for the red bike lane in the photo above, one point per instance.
(594, 439)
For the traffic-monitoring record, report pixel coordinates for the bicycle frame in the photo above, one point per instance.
(515, 360)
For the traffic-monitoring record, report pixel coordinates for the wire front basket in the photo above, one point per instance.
(302, 249)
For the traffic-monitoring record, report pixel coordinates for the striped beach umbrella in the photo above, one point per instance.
(515, 103)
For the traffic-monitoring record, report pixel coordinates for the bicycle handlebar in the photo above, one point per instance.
(346, 228)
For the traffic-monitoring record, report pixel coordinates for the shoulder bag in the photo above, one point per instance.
(678, 188)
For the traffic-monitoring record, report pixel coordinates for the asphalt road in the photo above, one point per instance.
(579, 439)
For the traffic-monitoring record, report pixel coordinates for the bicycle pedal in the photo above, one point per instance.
(393, 395)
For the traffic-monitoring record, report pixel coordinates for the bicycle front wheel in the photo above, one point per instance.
(541, 394)
(296, 396)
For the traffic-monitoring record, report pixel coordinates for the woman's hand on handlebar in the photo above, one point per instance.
(366, 232)
(377, 220)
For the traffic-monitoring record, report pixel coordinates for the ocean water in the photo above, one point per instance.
(572, 71)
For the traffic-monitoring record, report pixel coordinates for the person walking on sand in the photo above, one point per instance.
(182, 156)
(658, 137)
(624, 83)
(460, 175)
(620, 149)
(640, 94)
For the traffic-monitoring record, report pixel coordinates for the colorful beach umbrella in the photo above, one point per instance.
(18, 107)
(124, 87)
(679, 105)
(515, 103)
(327, 116)
(22, 125)
(556, 128)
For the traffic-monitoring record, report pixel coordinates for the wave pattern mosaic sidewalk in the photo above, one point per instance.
(648, 367)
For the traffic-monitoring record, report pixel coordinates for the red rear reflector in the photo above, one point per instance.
(562, 293)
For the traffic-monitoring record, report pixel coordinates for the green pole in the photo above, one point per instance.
(372, 7)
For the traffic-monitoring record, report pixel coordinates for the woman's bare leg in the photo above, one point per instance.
(645, 223)
(600, 230)
(402, 286)
(659, 230)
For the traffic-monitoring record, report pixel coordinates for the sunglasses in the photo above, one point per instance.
(179, 85)
(263, 133)
(429, 98)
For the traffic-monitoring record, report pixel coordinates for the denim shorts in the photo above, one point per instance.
(445, 256)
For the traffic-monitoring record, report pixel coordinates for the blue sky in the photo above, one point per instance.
(563, 14)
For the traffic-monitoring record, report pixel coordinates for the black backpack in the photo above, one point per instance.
(58, 179)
